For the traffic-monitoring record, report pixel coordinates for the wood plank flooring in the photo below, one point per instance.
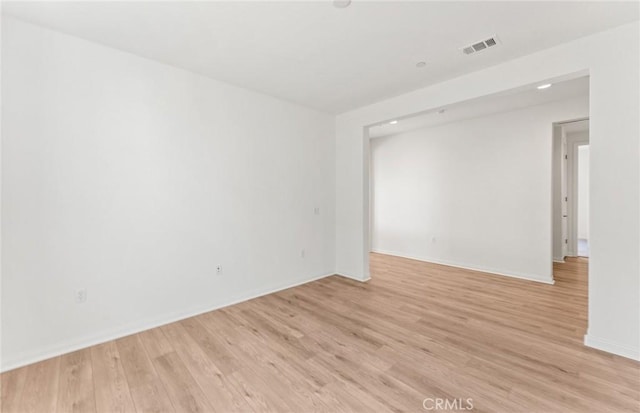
(415, 331)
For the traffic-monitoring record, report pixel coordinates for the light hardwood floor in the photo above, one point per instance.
(416, 331)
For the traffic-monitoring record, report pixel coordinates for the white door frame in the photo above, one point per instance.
(558, 194)
(573, 143)
(564, 190)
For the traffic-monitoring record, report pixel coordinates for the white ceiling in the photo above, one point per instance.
(324, 57)
(502, 102)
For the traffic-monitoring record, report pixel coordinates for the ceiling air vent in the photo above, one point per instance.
(480, 46)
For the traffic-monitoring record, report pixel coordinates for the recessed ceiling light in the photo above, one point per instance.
(421, 64)
(545, 86)
(341, 4)
(393, 122)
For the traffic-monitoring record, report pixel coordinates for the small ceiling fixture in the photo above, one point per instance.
(393, 122)
(421, 64)
(545, 86)
(341, 4)
(441, 111)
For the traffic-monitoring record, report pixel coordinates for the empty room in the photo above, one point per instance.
(320, 206)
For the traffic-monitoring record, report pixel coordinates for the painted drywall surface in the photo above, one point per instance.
(134, 179)
(611, 58)
(1, 5)
(583, 192)
(474, 193)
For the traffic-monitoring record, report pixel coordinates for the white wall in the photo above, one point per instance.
(474, 193)
(134, 179)
(611, 58)
(1, 75)
(583, 192)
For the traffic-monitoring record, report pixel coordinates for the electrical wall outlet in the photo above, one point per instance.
(302, 253)
(316, 211)
(218, 269)
(81, 296)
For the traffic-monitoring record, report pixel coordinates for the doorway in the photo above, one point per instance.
(583, 201)
(571, 189)
(435, 178)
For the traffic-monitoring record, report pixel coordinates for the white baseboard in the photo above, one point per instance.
(528, 277)
(351, 277)
(103, 337)
(611, 347)
(559, 260)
